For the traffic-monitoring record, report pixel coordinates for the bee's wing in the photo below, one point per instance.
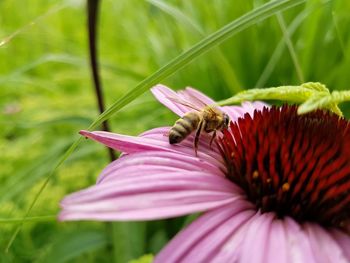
(203, 105)
(195, 99)
(198, 98)
(184, 103)
(209, 107)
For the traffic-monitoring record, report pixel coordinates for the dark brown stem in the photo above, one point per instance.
(93, 10)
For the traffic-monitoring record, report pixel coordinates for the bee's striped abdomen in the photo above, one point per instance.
(183, 127)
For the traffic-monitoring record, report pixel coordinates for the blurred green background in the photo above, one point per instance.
(46, 97)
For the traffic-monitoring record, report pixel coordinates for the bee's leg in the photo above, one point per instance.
(196, 138)
(212, 138)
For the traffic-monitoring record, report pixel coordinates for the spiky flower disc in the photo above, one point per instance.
(295, 165)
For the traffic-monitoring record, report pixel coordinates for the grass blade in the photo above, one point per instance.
(290, 46)
(19, 31)
(271, 64)
(72, 245)
(178, 15)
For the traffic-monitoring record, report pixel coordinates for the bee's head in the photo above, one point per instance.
(226, 120)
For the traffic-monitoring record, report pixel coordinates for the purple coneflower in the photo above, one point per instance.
(274, 188)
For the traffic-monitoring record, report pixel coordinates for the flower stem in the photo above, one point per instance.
(93, 9)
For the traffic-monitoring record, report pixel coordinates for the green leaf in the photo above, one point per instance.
(325, 101)
(340, 96)
(316, 86)
(283, 93)
(74, 244)
(311, 95)
(128, 240)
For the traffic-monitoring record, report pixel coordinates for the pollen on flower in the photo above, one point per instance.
(285, 187)
(255, 175)
(294, 165)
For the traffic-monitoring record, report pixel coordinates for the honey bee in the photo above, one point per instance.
(208, 119)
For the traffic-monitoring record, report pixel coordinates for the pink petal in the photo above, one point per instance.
(343, 241)
(164, 95)
(324, 247)
(200, 241)
(152, 196)
(156, 141)
(161, 135)
(236, 112)
(250, 107)
(156, 161)
(210, 248)
(263, 239)
(232, 249)
(298, 243)
(255, 243)
(126, 143)
(195, 96)
(277, 249)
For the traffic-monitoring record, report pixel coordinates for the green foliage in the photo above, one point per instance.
(73, 244)
(195, 51)
(311, 95)
(325, 100)
(46, 97)
(143, 259)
